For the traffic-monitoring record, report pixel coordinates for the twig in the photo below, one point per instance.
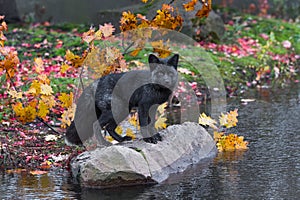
(80, 78)
(45, 123)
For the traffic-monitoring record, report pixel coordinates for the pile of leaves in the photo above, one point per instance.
(225, 141)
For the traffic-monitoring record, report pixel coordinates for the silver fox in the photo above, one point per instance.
(110, 99)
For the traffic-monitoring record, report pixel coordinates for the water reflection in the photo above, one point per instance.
(270, 169)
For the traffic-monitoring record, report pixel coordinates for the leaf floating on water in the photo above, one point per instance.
(207, 121)
(38, 172)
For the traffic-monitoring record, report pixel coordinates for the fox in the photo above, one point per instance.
(110, 99)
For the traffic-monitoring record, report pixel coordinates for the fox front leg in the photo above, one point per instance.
(147, 122)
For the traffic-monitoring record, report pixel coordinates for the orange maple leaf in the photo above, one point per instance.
(206, 8)
(190, 6)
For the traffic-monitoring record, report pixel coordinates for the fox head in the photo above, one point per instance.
(164, 71)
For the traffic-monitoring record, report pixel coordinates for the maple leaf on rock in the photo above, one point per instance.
(206, 8)
(130, 133)
(161, 123)
(190, 6)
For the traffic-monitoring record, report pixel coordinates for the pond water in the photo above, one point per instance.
(270, 169)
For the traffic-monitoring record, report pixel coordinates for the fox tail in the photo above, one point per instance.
(81, 127)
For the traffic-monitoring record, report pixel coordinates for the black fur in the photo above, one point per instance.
(110, 99)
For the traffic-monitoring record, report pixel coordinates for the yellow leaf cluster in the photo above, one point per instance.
(64, 68)
(161, 122)
(104, 61)
(66, 99)
(76, 61)
(164, 18)
(230, 119)
(39, 65)
(43, 110)
(10, 61)
(230, 142)
(130, 133)
(128, 21)
(68, 116)
(162, 49)
(24, 114)
(133, 120)
(119, 130)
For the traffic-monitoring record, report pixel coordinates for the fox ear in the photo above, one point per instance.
(173, 61)
(153, 59)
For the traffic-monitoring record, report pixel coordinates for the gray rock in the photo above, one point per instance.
(214, 26)
(137, 162)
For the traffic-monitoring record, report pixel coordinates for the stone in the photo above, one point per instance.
(137, 162)
(213, 27)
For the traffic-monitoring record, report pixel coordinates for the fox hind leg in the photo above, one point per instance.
(108, 123)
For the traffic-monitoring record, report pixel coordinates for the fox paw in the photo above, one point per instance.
(157, 136)
(126, 138)
(154, 139)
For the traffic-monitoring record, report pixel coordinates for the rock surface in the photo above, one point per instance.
(137, 162)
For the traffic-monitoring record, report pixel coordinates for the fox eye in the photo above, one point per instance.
(160, 73)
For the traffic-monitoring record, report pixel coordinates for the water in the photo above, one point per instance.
(270, 169)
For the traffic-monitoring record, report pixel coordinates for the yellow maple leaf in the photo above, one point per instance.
(43, 78)
(144, 1)
(130, 133)
(207, 121)
(24, 114)
(241, 144)
(133, 120)
(190, 6)
(14, 94)
(43, 110)
(128, 21)
(35, 87)
(75, 60)
(66, 99)
(48, 100)
(218, 135)
(39, 64)
(109, 138)
(68, 116)
(230, 119)
(162, 49)
(64, 68)
(46, 89)
(162, 108)
(119, 130)
(161, 123)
